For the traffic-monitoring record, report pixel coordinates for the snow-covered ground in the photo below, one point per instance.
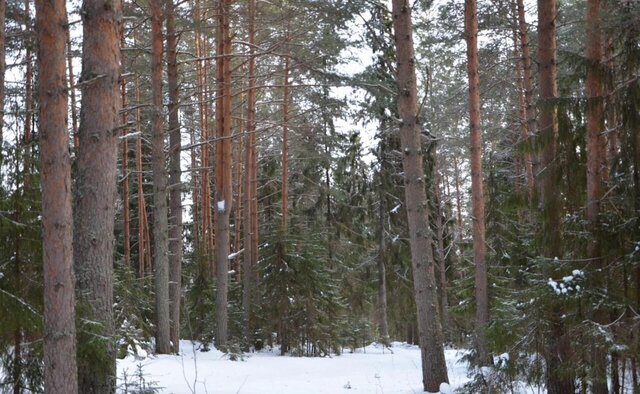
(369, 370)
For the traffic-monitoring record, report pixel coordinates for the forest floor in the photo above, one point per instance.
(372, 369)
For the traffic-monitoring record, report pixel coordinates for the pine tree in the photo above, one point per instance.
(95, 195)
(434, 370)
(57, 218)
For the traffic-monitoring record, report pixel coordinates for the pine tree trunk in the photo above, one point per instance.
(160, 211)
(524, 163)
(459, 240)
(175, 192)
(60, 368)
(434, 370)
(143, 230)
(477, 192)
(527, 84)
(595, 158)
(3, 67)
(250, 211)
(559, 379)
(202, 92)
(383, 325)
(240, 206)
(126, 211)
(96, 192)
(444, 301)
(28, 105)
(72, 92)
(285, 147)
(223, 170)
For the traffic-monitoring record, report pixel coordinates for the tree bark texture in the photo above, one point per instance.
(434, 370)
(175, 192)
(250, 258)
(527, 87)
(96, 192)
(60, 368)
(548, 127)
(477, 192)
(3, 66)
(383, 326)
(126, 211)
(144, 249)
(596, 157)
(72, 92)
(558, 379)
(28, 105)
(160, 210)
(285, 147)
(205, 229)
(442, 263)
(224, 185)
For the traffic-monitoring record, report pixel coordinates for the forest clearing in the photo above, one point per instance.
(373, 369)
(319, 196)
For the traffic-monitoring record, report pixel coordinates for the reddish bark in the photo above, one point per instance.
(57, 218)
(224, 185)
(596, 166)
(477, 192)
(96, 189)
(557, 352)
(250, 258)
(125, 178)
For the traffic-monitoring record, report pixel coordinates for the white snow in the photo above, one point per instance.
(445, 388)
(373, 369)
(221, 205)
(235, 254)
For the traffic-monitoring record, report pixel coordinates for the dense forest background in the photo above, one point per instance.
(260, 189)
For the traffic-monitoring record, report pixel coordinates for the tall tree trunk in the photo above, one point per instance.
(72, 92)
(595, 158)
(3, 7)
(459, 239)
(57, 217)
(527, 85)
(125, 177)
(160, 211)
(434, 369)
(144, 252)
(285, 147)
(524, 170)
(224, 192)
(250, 211)
(202, 92)
(175, 192)
(442, 264)
(96, 192)
(559, 380)
(26, 186)
(383, 326)
(240, 206)
(28, 117)
(477, 192)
